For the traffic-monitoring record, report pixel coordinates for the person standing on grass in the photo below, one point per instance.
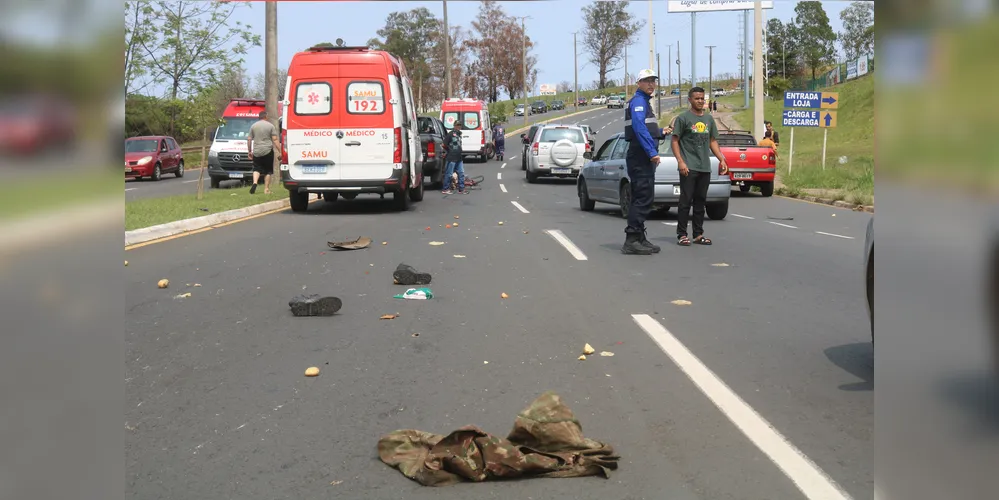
(453, 160)
(775, 137)
(261, 144)
(695, 137)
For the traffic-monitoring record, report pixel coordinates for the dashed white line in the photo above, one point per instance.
(805, 474)
(668, 223)
(499, 175)
(503, 165)
(566, 243)
(782, 225)
(503, 188)
(188, 182)
(743, 216)
(835, 235)
(513, 157)
(520, 207)
(130, 189)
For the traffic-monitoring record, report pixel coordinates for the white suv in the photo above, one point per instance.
(557, 151)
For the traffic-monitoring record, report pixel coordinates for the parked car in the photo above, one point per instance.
(432, 143)
(605, 179)
(590, 134)
(518, 110)
(351, 127)
(869, 275)
(152, 156)
(749, 164)
(525, 140)
(539, 107)
(557, 151)
(598, 100)
(615, 102)
(558, 105)
(581, 101)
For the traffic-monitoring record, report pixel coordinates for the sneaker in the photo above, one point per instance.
(409, 276)
(447, 191)
(253, 189)
(314, 305)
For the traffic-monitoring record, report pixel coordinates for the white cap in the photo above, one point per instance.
(647, 73)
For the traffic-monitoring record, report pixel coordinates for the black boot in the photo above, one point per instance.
(407, 275)
(633, 245)
(648, 244)
(314, 305)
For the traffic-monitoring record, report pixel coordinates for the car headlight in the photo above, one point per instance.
(145, 160)
(213, 154)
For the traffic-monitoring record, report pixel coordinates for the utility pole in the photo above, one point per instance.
(447, 54)
(669, 66)
(758, 70)
(523, 59)
(659, 101)
(652, 37)
(745, 57)
(693, 49)
(711, 62)
(679, 78)
(270, 77)
(626, 71)
(575, 73)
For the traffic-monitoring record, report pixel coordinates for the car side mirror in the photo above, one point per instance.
(588, 155)
(591, 143)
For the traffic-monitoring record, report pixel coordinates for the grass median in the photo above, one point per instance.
(28, 195)
(153, 211)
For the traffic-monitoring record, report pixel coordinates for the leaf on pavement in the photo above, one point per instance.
(389, 316)
(681, 302)
(436, 243)
(606, 354)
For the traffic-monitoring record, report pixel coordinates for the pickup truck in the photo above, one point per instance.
(432, 134)
(749, 164)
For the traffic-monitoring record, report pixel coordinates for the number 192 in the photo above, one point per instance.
(366, 106)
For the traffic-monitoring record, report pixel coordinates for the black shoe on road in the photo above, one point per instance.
(314, 305)
(648, 244)
(633, 245)
(409, 276)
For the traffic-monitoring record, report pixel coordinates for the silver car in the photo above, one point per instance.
(615, 102)
(605, 179)
(557, 151)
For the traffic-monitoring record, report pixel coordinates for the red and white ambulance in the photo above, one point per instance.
(349, 127)
(476, 127)
(227, 156)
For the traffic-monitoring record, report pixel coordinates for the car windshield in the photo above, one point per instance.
(235, 129)
(426, 124)
(557, 134)
(141, 146)
(735, 140)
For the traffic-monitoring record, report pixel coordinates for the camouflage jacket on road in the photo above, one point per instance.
(546, 441)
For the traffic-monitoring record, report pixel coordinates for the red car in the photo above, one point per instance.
(152, 156)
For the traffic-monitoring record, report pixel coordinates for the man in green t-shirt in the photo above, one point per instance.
(695, 137)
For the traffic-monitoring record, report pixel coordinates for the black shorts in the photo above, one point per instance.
(264, 164)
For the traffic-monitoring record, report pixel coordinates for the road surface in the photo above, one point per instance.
(760, 388)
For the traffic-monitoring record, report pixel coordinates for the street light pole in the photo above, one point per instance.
(523, 59)
(711, 63)
(575, 73)
(447, 54)
(270, 77)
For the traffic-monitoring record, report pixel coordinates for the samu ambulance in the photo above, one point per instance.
(227, 157)
(476, 129)
(350, 126)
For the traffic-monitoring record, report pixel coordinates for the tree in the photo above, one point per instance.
(189, 42)
(563, 87)
(857, 36)
(411, 37)
(783, 50)
(137, 32)
(459, 60)
(815, 37)
(258, 87)
(489, 47)
(511, 64)
(609, 29)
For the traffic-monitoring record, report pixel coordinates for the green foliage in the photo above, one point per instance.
(499, 111)
(858, 29)
(609, 29)
(776, 86)
(815, 36)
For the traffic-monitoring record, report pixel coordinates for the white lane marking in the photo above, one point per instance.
(499, 175)
(836, 235)
(805, 474)
(567, 243)
(513, 157)
(130, 189)
(742, 216)
(503, 188)
(188, 182)
(503, 165)
(669, 223)
(782, 225)
(520, 207)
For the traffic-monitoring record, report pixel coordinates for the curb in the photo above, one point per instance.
(827, 201)
(150, 233)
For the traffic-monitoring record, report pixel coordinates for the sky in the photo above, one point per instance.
(302, 24)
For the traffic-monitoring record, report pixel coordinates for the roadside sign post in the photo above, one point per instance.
(817, 114)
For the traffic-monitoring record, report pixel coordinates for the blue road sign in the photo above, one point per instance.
(805, 99)
(808, 118)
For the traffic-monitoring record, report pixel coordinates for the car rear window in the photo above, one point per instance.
(735, 140)
(469, 119)
(557, 134)
(365, 98)
(313, 98)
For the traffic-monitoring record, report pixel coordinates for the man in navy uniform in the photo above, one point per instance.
(642, 131)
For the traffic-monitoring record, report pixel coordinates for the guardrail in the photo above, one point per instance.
(192, 149)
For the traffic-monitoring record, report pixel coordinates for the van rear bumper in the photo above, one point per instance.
(378, 186)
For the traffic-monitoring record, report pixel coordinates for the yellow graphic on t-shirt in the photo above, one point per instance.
(699, 127)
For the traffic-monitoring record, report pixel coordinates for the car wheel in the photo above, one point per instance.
(585, 203)
(416, 194)
(532, 177)
(717, 211)
(180, 169)
(870, 297)
(215, 182)
(400, 199)
(767, 189)
(624, 199)
(523, 161)
(329, 197)
(157, 172)
(299, 201)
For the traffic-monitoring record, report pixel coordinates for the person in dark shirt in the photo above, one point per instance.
(454, 160)
(774, 135)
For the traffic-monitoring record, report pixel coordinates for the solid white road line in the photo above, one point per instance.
(668, 223)
(782, 225)
(836, 235)
(503, 165)
(805, 474)
(520, 207)
(742, 216)
(513, 157)
(130, 189)
(499, 175)
(567, 243)
(503, 188)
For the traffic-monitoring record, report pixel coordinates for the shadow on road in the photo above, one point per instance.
(856, 359)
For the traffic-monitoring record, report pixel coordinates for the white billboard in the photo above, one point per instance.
(548, 89)
(713, 5)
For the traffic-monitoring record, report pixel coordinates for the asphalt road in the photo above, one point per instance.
(170, 185)
(723, 398)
